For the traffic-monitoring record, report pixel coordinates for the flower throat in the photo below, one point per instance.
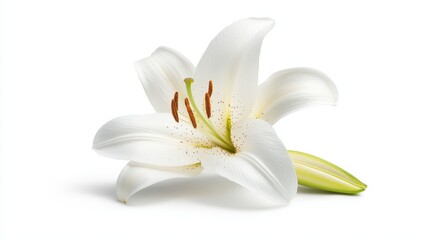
(221, 140)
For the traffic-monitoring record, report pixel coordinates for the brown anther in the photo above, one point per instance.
(210, 91)
(176, 100)
(174, 110)
(190, 113)
(208, 106)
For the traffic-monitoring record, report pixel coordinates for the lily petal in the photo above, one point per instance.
(162, 74)
(153, 139)
(231, 61)
(293, 89)
(261, 164)
(136, 176)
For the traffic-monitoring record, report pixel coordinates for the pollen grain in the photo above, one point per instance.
(210, 91)
(176, 100)
(208, 105)
(174, 110)
(190, 113)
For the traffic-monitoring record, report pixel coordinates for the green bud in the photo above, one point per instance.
(317, 173)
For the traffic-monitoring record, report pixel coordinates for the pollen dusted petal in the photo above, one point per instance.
(232, 62)
(219, 139)
(261, 163)
(152, 139)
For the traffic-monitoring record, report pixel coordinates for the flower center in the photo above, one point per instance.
(200, 120)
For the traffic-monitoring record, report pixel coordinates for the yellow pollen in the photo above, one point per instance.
(210, 91)
(190, 113)
(208, 106)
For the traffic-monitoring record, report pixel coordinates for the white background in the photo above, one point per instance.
(68, 68)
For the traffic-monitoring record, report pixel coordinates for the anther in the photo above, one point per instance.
(174, 110)
(190, 113)
(210, 91)
(208, 105)
(176, 100)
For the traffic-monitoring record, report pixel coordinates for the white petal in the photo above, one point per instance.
(261, 164)
(153, 139)
(231, 61)
(162, 74)
(292, 89)
(134, 177)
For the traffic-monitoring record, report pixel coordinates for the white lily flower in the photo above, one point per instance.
(214, 117)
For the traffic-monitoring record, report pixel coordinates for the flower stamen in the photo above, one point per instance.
(190, 113)
(222, 140)
(174, 110)
(210, 91)
(208, 105)
(176, 100)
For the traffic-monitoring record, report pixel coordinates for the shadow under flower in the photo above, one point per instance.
(102, 190)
